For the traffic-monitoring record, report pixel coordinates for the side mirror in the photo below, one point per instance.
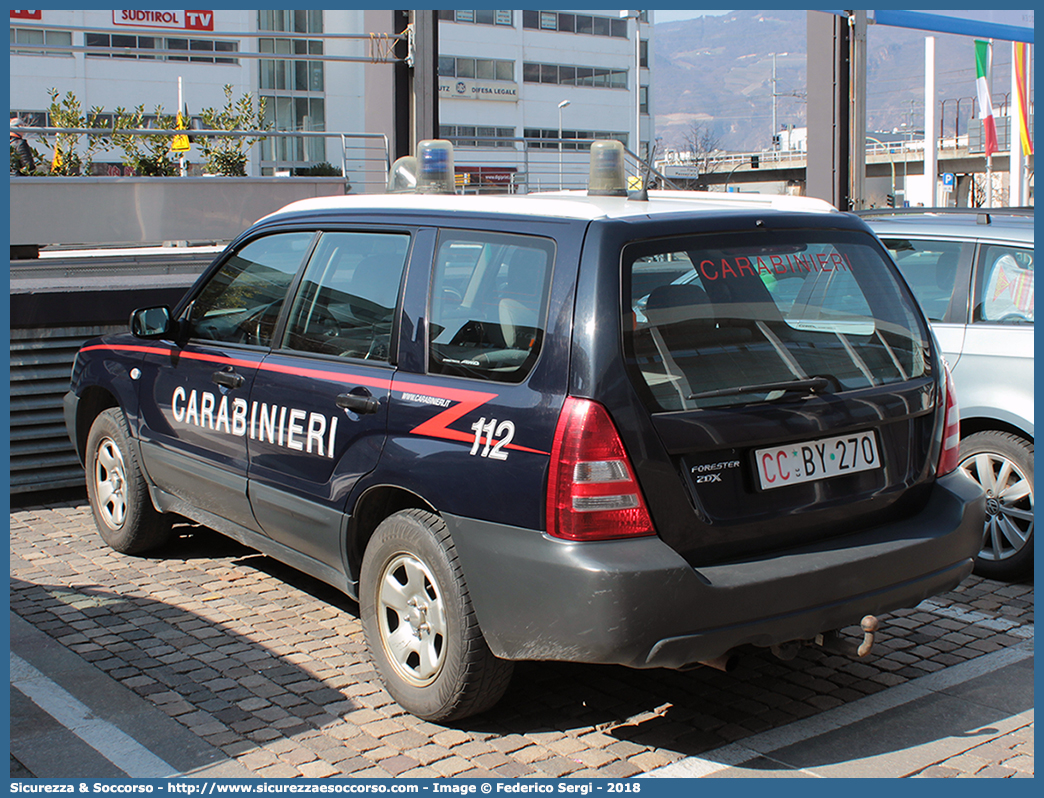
(152, 323)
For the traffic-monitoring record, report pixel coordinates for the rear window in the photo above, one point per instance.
(718, 320)
(1005, 285)
(930, 268)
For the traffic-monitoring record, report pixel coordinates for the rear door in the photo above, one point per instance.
(995, 375)
(474, 412)
(790, 385)
(940, 273)
(319, 405)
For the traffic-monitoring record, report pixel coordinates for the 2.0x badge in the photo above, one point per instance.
(706, 473)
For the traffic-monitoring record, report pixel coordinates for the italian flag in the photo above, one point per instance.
(989, 127)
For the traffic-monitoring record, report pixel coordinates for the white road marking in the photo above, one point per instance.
(119, 748)
(773, 740)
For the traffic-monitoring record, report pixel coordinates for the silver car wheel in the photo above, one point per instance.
(1009, 504)
(411, 619)
(110, 481)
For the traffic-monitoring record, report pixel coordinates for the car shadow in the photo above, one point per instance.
(688, 712)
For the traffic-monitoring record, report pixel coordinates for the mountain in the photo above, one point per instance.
(713, 78)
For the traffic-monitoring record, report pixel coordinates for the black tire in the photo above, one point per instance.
(420, 627)
(1002, 464)
(119, 497)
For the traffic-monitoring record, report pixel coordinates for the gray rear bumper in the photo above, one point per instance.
(638, 603)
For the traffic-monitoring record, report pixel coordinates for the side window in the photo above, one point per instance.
(346, 302)
(489, 304)
(1005, 285)
(930, 267)
(241, 302)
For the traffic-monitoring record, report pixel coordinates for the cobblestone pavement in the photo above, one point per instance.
(1006, 757)
(268, 665)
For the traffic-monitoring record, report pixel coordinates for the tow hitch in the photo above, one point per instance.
(831, 641)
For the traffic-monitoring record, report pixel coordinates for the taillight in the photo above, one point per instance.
(949, 455)
(592, 493)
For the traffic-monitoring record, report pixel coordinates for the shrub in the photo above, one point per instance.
(227, 155)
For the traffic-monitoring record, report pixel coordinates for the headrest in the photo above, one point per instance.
(678, 302)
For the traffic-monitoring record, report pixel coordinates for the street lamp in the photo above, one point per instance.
(888, 150)
(561, 105)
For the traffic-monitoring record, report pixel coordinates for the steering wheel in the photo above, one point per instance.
(251, 330)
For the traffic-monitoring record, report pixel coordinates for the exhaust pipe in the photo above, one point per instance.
(725, 663)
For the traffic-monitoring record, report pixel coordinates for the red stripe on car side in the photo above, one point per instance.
(435, 427)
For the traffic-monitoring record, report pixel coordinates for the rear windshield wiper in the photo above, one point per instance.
(812, 384)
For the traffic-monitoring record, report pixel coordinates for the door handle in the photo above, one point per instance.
(357, 403)
(229, 379)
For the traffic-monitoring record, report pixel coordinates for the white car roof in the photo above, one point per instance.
(561, 204)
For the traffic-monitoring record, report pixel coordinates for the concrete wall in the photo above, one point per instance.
(149, 210)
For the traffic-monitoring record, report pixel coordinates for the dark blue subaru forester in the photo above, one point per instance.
(644, 431)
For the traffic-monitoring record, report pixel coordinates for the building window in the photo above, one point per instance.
(643, 53)
(291, 75)
(458, 133)
(293, 88)
(643, 99)
(571, 75)
(146, 47)
(293, 21)
(40, 38)
(482, 16)
(552, 135)
(575, 23)
(482, 68)
(32, 118)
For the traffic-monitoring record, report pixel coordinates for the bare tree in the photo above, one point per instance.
(702, 143)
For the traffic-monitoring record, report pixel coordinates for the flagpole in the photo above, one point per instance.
(989, 180)
(181, 105)
(989, 156)
(1014, 139)
(1024, 121)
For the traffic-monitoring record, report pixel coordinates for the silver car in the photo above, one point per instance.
(972, 272)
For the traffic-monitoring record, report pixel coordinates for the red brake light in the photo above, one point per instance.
(949, 455)
(592, 493)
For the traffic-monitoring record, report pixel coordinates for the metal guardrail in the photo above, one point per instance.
(908, 150)
(365, 157)
(523, 165)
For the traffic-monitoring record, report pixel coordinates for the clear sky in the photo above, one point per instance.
(673, 15)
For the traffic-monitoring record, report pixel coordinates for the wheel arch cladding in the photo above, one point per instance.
(373, 506)
(93, 402)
